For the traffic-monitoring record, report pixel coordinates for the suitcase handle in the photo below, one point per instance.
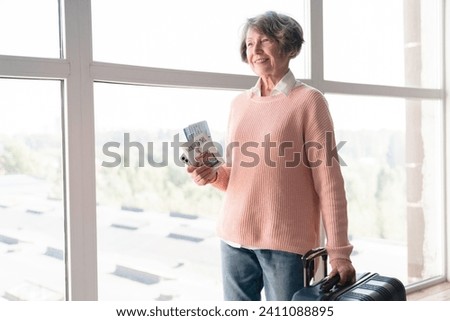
(308, 264)
(330, 283)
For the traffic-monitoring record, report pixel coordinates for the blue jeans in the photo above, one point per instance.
(246, 272)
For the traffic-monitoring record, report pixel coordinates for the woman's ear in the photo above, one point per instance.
(293, 54)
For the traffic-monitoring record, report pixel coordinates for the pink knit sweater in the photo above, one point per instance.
(281, 174)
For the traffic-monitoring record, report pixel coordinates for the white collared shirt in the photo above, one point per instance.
(284, 86)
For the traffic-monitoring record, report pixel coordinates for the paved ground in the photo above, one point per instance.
(141, 255)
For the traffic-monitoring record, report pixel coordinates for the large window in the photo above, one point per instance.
(31, 191)
(392, 165)
(156, 228)
(96, 93)
(371, 44)
(191, 35)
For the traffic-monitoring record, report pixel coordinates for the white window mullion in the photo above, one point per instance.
(39, 68)
(127, 74)
(80, 153)
(446, 85)
(317, 43)
(379, 90)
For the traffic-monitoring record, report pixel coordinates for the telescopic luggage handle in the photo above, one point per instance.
(327, 283)
(308, 264)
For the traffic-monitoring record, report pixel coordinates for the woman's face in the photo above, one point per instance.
(264, 55)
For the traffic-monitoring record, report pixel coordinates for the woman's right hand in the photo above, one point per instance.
(202, 175)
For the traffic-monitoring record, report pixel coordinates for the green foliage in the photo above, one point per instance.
(16, 158)
(375, 179)
(38, 156)
(375, 183)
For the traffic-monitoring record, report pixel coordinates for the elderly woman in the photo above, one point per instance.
(282, 173)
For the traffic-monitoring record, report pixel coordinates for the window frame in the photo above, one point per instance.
(78, 72)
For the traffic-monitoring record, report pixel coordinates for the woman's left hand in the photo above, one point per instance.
(345, 270)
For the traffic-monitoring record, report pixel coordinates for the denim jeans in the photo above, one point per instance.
(246, 272)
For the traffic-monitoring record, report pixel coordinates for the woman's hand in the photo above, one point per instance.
(202, 175)
(345, 270)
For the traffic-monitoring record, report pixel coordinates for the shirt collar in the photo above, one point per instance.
(284, 86)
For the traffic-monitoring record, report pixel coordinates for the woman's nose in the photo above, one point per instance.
(257, 47)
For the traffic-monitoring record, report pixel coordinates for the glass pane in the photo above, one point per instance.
(383, 42)
(392, 150)
(29, 28)
(31, 184)
(156, 228)
(190, 35)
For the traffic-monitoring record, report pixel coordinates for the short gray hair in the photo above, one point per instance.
(282, 28)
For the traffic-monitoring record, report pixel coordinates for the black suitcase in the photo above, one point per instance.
(368, 286)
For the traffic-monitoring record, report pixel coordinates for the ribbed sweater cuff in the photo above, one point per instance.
(342, 252)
